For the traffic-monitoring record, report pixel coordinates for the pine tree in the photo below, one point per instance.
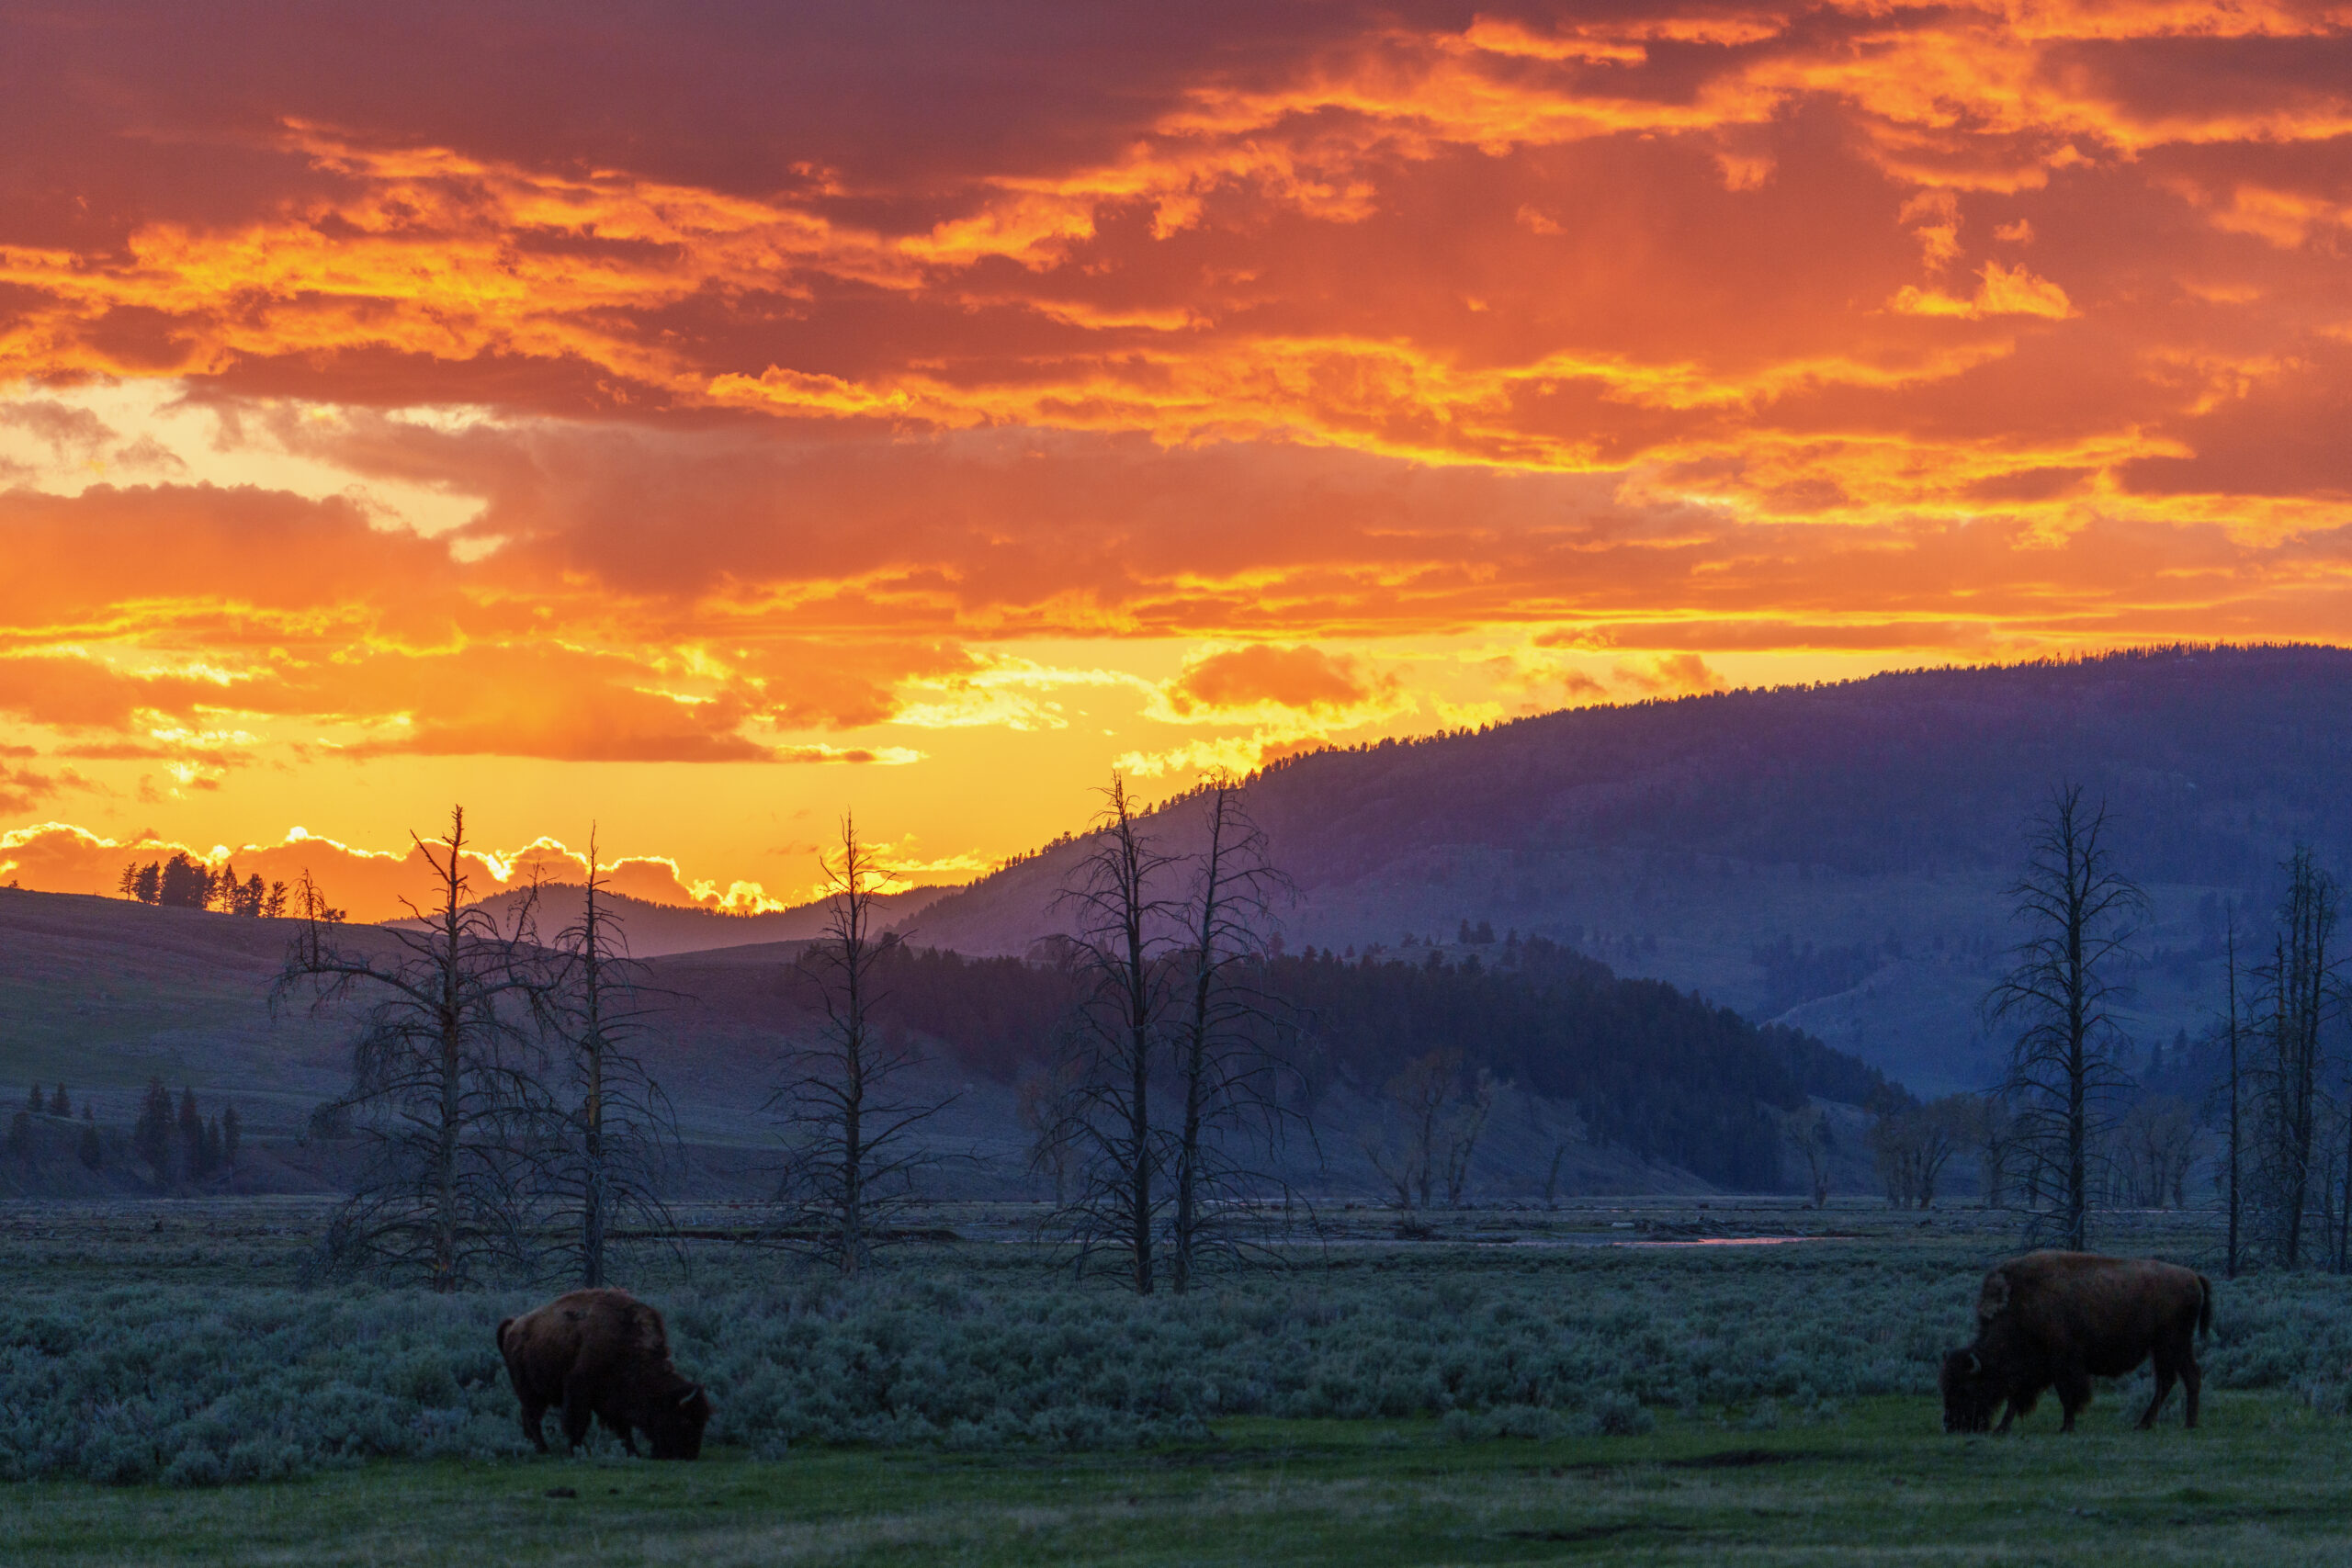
(93, 1152)
(149, 885)
(208, 1148)
(152, 1138)
(191, 1133)
(184, 884)
(58, 1105)
(34, 1102)
(230, 1132)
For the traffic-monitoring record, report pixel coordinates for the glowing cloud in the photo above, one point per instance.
(973, 415)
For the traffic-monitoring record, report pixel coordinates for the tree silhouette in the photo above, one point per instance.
(184, 884)
(1117, 1040)
(151, 1138)
(446, 1081)
(618, 1122)
(2296, 994)
(852, 1161)
(1228, 1072)
(2079, 917)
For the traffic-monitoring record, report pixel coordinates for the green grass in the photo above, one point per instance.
(971, 1404)
(2260, 1482)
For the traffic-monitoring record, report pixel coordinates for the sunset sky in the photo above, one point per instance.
(701, 419)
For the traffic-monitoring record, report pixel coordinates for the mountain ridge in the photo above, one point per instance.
(1694, 839)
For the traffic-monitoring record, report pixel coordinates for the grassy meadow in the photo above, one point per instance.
(1516, 1387)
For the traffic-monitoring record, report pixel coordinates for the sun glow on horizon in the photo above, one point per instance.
(709, 462)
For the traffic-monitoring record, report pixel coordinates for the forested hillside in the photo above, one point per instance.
(1651, 1071)
(647, 930)
(1834, 855)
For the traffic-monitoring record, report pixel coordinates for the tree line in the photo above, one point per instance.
(185, 883)
(182, 1145)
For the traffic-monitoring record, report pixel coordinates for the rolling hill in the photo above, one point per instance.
(1604, 1085)
(650, 931)
(1833, 856)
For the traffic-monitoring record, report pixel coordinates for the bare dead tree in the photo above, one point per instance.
(619, 1127)
(1118, 1040)
(1408, 1162)
(446, 1077)
(1552, 1177)
(854, 1158)
(1810, 1134)
(1230, 1071)
(2232, 1087)
(2079, 915)
(1462, 1131)
(2298, 993)
(2160, 1140)
(1040, 1104)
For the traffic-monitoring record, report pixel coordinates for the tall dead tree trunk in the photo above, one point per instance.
(1124, 921)
(1227, 1067)
(2079, 915)
(851, 1116)
(2300, 992)
(620, 1123)
(2236, 1078)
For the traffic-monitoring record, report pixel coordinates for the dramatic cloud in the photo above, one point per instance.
(982, 388)
(368, 884)
(1264, 674)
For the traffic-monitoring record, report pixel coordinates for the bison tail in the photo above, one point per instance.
(504, 1325)
(2204, 1306)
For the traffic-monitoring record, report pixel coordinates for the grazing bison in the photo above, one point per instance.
(2061, 1318)
(602, 1354)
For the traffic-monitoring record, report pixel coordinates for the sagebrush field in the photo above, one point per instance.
(1464, 1397)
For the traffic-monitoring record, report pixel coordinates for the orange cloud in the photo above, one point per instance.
(369, 885)
(1266, 674)
(1674, 674)
(513, 399)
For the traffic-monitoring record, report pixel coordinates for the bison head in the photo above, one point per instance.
(1971, 1393)
(674, 1426)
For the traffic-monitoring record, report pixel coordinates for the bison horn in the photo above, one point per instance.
(1975, 1363)
(688, 1397)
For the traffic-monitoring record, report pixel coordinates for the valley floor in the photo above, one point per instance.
(2260, 1481)
(1610, 1382)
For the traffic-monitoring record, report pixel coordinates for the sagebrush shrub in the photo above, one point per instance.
(201, 1384)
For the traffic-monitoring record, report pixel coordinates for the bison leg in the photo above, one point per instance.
(2165, 1376)
(578, 1410)
(533, 1413)
(2074, 1395)
(620, 1429)
(2189, 1378)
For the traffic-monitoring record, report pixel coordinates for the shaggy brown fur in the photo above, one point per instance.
(2059, 1319)
(602, 1354)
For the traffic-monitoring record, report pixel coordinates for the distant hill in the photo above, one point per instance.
(99, 994)
(651, 931)
(1833, 856)
(1630, 1085)
(1637, 1084)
